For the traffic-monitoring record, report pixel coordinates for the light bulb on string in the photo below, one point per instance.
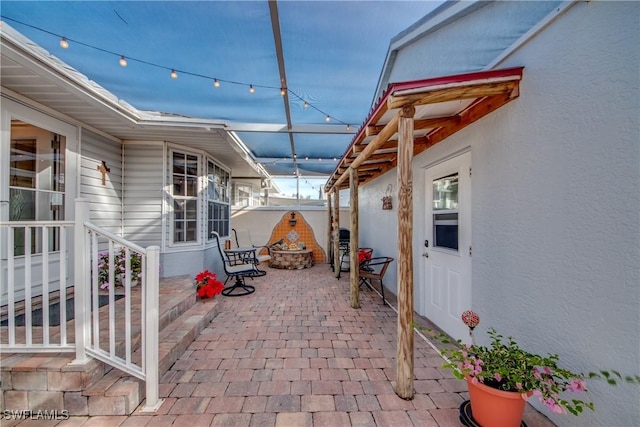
(348, 127)
(216, 83)
(251, 89)
(327, 119)
(64, 43)
(123, 61)
(174, 75)
(306, 104)
(306, 157)
(282, 92)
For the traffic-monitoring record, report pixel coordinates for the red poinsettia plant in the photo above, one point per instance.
(363, 255)
(208, 285)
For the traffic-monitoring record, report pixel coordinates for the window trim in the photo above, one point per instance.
(207, 200)
(197, 198)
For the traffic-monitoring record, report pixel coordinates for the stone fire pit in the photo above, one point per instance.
(292, 260)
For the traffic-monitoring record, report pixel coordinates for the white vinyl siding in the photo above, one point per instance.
(143, 192)
(106, 200)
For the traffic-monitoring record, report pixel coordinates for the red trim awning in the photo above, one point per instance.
(443, 106)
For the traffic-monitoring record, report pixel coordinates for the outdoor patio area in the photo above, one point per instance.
(294, 353)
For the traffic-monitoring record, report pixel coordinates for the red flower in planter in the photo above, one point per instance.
(363, 255)
(208, 285)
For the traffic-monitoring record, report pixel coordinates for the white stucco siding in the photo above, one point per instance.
(556, 197)
(106, 200)
(555, 203)
(378, 228)
(471, 42)
(143, 192)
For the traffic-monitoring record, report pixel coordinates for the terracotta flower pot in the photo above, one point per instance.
(495, 408)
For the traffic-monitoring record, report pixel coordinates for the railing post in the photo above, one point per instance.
(81, 281)
(150, 329)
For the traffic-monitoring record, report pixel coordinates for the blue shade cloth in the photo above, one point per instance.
(333, 55)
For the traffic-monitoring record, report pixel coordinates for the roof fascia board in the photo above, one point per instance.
(283, 128)
(236, 143)
(16, 48)
(436, 19)
(540, 26)
(27, 102)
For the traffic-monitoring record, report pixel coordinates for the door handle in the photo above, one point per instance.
(426, 254)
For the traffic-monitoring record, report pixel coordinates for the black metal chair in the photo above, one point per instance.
(374, 269)
(243, 240)
(237, 267)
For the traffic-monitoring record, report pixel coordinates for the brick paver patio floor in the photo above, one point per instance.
(294, 353)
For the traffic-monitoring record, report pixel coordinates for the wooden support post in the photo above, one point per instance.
(329, 230)
(354, 271)
(336, 231)
(404, 358)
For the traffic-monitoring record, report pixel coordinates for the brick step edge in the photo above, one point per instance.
(120, 394)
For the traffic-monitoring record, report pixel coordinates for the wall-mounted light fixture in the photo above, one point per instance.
(293, 219)
(386, 199)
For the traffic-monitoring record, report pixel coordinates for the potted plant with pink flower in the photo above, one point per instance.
(506, 375)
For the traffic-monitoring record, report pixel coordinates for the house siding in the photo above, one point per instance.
(106, 200)
(143, 193)
(555, 196)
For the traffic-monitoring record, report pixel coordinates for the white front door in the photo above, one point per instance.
(446, 251)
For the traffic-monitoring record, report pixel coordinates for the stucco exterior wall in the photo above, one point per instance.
(261, 221)
(555, 197)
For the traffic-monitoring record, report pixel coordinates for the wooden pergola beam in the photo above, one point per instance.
(452, 94)
(418, 124)
(389, 129)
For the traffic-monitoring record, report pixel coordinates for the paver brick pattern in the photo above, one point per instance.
(295, 353)
(302, 356)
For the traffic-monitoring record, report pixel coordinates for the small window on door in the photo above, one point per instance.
(445, 212)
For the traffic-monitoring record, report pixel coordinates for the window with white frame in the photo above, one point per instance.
(217, 200)
(243, 194)
(184, 191)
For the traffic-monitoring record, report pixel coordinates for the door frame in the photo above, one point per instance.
(420, 249)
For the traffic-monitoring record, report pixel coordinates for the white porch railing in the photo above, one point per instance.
(31, 282)
(100, 260)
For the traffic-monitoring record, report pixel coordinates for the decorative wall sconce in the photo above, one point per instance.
(293, 219)
(386, 200)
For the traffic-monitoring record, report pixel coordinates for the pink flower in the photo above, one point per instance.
(577, 386)
(547, 370)
(497, 377)
(519, 386)
(536, 374)
(474, 380)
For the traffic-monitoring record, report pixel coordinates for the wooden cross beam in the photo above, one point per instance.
(104, 170)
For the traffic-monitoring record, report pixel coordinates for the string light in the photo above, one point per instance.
(306, 157)
(64, 43)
